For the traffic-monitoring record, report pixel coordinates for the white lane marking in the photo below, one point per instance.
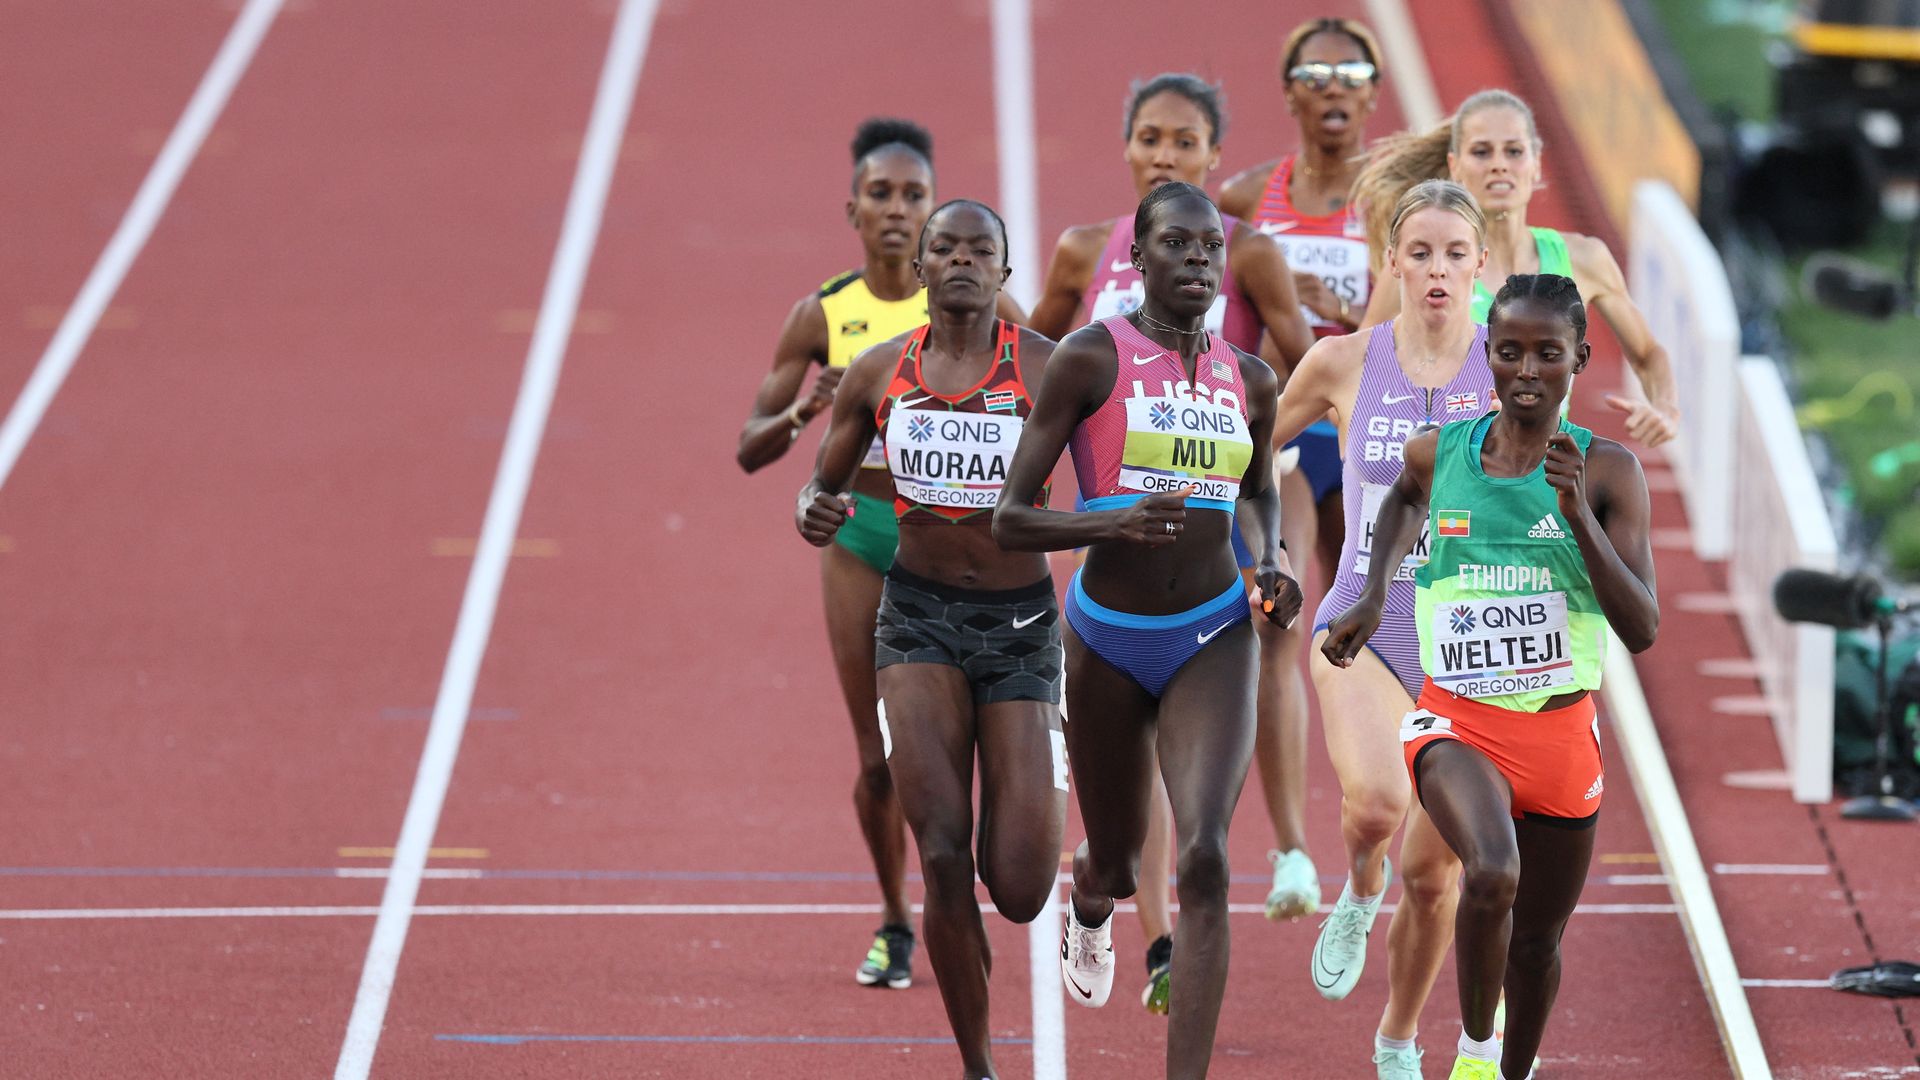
(613, 101)
(1763, 869)
(1048, 924)
(1406, 63)
(1012, 23)
(1013, 127)
(1800, 984)
(156, 191)
(1680, 857)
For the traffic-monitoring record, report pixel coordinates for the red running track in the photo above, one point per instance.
(234, 565)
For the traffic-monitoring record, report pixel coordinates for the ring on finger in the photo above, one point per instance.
(1170, 528)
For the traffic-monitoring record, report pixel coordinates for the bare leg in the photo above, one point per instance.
(851, 590)
(1280, 747)
(1156, 865)
(1553, 871)
(1470, 805)
(1422, 926)
(1206, 742)
(1110, 742)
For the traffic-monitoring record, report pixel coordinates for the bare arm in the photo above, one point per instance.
(1240, 195)
(1260, 267)
(1069, 273)
(779, 410)
(821, 507)
(1006, 307)
(1384, 304)
(1258, 507)
(1079, 376)
(1323, 381)
(1604, 287)
(1604, 498)
(1395, 531)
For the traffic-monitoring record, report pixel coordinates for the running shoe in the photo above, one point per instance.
(1396, 1063)
(890, 962)
(1340, 952)
(1296, 886)
(1086, 960)
(1159, 975)
(1466, 1068)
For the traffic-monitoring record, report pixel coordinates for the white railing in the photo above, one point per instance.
(1781, 521)
(1677, 279)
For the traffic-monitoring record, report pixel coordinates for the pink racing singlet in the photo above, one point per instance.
(1332, 248)
(1117, 289)
(1155, 432)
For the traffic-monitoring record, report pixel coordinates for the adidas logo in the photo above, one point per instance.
(1599, 784)
(1547, 529)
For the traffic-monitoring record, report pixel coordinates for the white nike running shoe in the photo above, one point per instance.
(1296, 886)
(1396, 1063)
(1086, 960)
(1340, 952)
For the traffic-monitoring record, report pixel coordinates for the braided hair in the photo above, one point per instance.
(1552, 290)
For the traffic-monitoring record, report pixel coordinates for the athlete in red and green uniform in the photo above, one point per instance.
(968, 639)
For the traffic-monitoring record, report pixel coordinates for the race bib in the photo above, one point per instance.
(1505, 645)
(1371, 496)
(950, 459)
(1422, 722)
(1177, 441)
(1339, 262)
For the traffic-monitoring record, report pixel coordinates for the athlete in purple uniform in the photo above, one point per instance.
(1424, 368)
(1174, 125)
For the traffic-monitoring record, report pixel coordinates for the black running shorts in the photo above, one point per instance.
(1006, 642)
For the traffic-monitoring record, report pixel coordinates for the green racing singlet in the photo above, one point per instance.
(1552, 249)
(1506, 612)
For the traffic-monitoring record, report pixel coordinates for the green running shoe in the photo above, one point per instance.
(890, 962)
(1159, 975)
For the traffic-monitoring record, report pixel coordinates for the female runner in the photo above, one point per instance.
(969, 635)
(892, 194)
(1492, 148)
(1425, 367)
(1539, 544)
(1170, 427)
(1174, 125)
(1331, 69)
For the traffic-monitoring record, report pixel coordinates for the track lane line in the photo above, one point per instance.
(755, 911)
(149, 202)
(1419, 101)
(613, 101)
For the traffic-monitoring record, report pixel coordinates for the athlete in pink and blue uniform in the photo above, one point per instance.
(1174, 123)
(1424, 368)
(1171, 428)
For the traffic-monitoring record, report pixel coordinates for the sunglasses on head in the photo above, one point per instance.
(1353, 74)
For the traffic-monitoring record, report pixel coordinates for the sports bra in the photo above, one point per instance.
(856, 319)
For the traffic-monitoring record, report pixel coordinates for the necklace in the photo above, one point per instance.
(1163, 327)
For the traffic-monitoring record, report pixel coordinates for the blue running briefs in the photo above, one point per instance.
(1150, 649)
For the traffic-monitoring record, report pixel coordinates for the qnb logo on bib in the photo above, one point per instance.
(951, 459)
(1172, 442)
(1506, 645)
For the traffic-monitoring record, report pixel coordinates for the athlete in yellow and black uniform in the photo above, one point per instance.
(856, 319)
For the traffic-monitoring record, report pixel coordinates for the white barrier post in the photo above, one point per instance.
(1780, 516)
(1677, 279)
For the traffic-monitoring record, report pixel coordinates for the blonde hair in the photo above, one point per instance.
(1398, 162)
(1437, 195)
(1351, 28)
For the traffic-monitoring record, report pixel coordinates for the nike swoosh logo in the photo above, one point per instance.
(908, 403)
(1389, 399)
(1022, 624)
(1119, 266)
(1318, 968)
(1204, 638)
(1271, 227)
(1071, 981)
(1138, 359)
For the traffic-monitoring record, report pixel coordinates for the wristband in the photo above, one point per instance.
(1346, 311)
(794, 420)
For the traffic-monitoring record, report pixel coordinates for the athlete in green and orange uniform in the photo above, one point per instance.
(1539, 545)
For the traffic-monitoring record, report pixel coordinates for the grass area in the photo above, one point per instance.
(1724, 45)
(1857, 379)
(1858, 385)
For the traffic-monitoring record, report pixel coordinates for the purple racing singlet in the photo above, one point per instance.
(1387, 409)
(1117, 289)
